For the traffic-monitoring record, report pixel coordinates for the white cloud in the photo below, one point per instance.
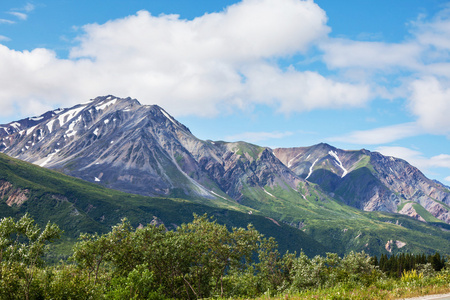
(430, 102)
(380, 135)
(251, 29)
(202, 66)
(447, 179)
(29, 7)
(342, 53)
(5, 21)
(426, 51)
(22, 13)
(416, 69)
(4, 38)
(435, 33)
(416, 158)
(441, 160)
(227, 60)
(19, 15)
(253, 137)
(294, 91)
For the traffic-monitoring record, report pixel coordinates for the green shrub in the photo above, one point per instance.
(68, 282)
(139, 284)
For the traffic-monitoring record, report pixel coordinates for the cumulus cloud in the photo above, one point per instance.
(251, 29)
(380, 135)
(294, 91)
(33, 76)
(219, 61)
(227, 60)
(430, 102)
(416, 69)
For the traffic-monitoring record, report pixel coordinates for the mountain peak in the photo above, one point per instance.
(128, 104)
(143, 149)
(109, 98)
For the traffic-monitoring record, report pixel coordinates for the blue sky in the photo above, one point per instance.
(278, 73)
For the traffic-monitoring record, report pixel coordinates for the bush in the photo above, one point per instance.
(139, 284)
(69, 282)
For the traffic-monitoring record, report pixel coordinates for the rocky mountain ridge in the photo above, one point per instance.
(141, 149)
(368, 180)
(77, 206)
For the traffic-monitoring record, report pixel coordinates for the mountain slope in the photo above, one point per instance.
(124, 145)
(370, 181)
(78, 206)
(141, 149)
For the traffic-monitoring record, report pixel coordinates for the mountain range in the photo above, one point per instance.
(354, 196)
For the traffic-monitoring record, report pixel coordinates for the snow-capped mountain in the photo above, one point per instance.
(141, 149)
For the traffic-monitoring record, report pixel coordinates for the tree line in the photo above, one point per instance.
(200, 259)
(396, 265)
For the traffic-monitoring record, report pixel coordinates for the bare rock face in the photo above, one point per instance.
(155, 222)
(368, 180)
(409, 210)
(390, 245)
(141, 149)
(14, 196)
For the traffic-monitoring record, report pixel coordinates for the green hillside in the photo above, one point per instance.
(304, 219)
(343, 228)
(78, 206)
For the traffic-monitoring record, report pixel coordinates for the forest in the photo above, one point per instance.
(200, 259)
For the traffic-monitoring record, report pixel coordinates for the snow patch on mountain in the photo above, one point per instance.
(168, 117)
(30, 130)
(36, 118)
(106, 105)
(69, 115)
(268, 193)
(215, 194)
(50, 125)
(15, 125)
(291, 160)
(339, 163)
(49, 158)
(71, 132)
(311, 168)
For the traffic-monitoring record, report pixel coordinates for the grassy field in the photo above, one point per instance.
(389, 290)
